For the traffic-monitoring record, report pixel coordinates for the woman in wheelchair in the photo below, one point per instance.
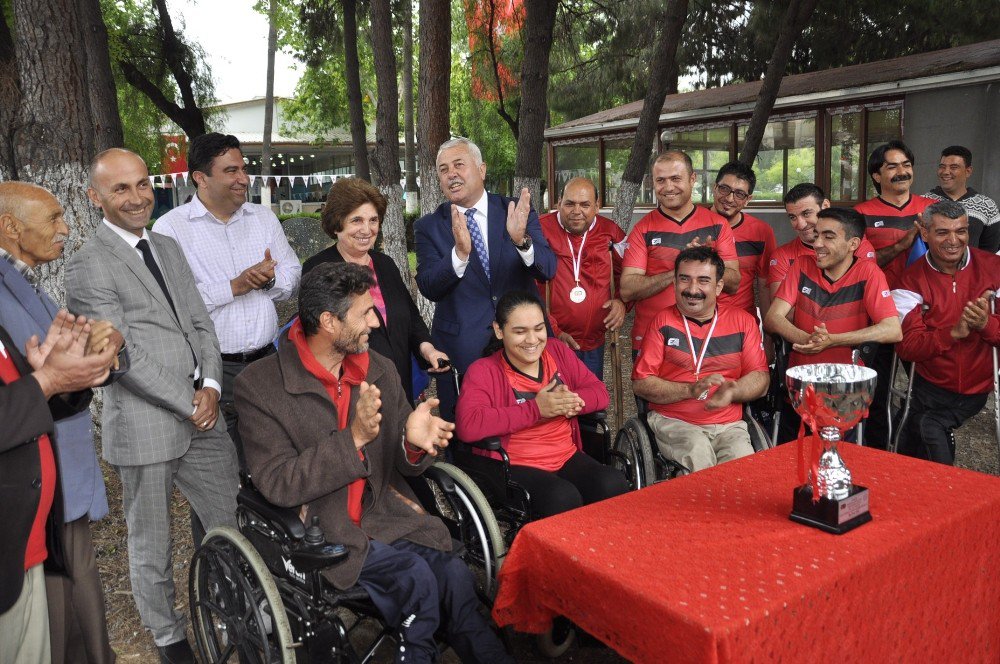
(528, 390)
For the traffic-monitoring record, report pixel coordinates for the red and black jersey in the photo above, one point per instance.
(653, 245)
(547, 444)
(783, 258)
(859, 299)
(886, 224)
(734, 350)
(584, 321)
(754, 243)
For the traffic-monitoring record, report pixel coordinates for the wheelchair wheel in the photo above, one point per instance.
(632, 454)
(758, 437)
(470, 519)
(235, 606)
(557, 640)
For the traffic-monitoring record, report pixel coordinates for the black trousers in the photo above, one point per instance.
(580, 481)
(934, 413)
(877, 425)
(410, 584)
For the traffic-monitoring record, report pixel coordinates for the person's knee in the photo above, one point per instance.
(559, 496)
(610, 483)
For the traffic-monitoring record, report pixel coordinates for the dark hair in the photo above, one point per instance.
(205, 148)
(508, 302)
(701, 255)
(331, 287)
(740, 171)
(958, 151)
(852, 220)
(347, 195)
(803, 189)
(877, 159)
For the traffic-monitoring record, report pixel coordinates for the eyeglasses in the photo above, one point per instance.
(725, 191)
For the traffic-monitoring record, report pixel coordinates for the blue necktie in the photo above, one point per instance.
(477, 240)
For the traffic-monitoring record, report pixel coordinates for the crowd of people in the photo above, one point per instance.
(178, 324)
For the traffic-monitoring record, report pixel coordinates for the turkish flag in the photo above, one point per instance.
(175, 153)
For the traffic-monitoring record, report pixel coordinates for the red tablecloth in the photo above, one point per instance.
(708, 568)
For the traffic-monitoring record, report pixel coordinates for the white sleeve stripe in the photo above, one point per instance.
(906, 301)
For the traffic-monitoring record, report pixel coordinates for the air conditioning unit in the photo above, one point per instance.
(289, 206)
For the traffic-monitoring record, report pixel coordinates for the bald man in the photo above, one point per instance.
(579, 299)
(161, 424)
(32, 233)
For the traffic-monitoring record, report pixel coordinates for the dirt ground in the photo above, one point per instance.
(977, 450)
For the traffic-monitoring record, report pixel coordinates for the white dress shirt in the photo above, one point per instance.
(482, 219)
(218, 252)
(133, 241)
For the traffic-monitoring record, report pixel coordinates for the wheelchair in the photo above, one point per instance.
(257, 591)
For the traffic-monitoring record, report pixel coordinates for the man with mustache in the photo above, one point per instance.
(471, 250)
(240, 258)
(698, 364)
(953, 173)
(836, 300)
(948, 331)
(891, 221)
(33, 232)
(656, 240)
(578, 300)
(160, 425)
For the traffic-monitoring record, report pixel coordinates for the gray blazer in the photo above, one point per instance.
(146, 413)
(23, 313)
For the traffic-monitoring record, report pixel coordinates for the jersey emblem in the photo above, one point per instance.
(655, 241)
(673, 342)
(806, 290)
(885, 293)
(774, 262)
(878, 224)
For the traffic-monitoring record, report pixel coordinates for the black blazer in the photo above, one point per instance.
(405, 330)
(26, 416)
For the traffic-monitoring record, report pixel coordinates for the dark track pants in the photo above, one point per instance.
(934, 413)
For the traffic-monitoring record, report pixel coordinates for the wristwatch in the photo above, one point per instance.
(269, 285)
(525, 244)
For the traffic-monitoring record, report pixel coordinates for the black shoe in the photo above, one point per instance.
(178, 652)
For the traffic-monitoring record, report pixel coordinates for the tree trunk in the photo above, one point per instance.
(385, 165)
(409, 153)
(664, 62)
(272, 46)
(433, 113)
(10, 101)
(540, 19)
(100, 81)
(794, 22)
(359, 138)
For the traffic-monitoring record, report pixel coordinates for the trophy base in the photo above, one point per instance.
(833, 516)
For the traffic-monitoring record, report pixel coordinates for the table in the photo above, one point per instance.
(708, 568)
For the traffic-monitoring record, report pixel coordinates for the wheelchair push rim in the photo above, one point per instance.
(236, 609)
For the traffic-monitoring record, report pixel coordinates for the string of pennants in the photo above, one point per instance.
(181, 179)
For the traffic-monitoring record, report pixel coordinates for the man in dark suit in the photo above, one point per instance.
(161, 424)
(49, 384)
(470, 251)
(32, 233)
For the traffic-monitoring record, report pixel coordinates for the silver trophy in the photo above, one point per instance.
(831, 399)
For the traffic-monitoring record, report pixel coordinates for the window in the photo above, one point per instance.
(573, 161)
(883, 126)
(616, 154)
(846, 170)
(787, 156)
(709, 149)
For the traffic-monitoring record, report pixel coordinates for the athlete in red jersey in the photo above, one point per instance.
(802, 203)
(948, 332)
(754, 238)
(839, 301)
(578, 298)
(698, 364)
(657, 238)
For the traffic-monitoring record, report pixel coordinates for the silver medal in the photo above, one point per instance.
(578, 295)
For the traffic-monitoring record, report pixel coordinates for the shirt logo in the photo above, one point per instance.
(885, 293)
(655, 240)
(870, 254)
(774, 262)
(879, 224)
(806, 290)
(674, 342)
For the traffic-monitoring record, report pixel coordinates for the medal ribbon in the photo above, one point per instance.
(572, 254)
(704, 347)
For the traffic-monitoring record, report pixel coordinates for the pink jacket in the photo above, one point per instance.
(486, 406)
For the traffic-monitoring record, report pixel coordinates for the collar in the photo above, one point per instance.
(482, 205)
(199, 211)
(679, 222)
(25, 270)
(909, 199)
(559, 220)
(130, 238)
(961, 266)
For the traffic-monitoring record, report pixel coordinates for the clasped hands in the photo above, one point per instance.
(975, 315)
(517, 225)
(817, 342)
(255, 276)
(73, 357)
(723, 396)
(555, 399)
(423, 430)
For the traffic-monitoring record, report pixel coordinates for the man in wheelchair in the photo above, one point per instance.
(326, 426)
(699, 362)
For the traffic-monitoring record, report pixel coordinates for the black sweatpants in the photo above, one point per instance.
(934, 413)
(581, 481)
(410, 584)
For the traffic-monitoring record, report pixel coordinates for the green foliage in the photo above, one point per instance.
(298, 215)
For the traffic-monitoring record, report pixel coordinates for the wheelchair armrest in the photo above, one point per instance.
(596, 416)
(311, 557)
(491, 444)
